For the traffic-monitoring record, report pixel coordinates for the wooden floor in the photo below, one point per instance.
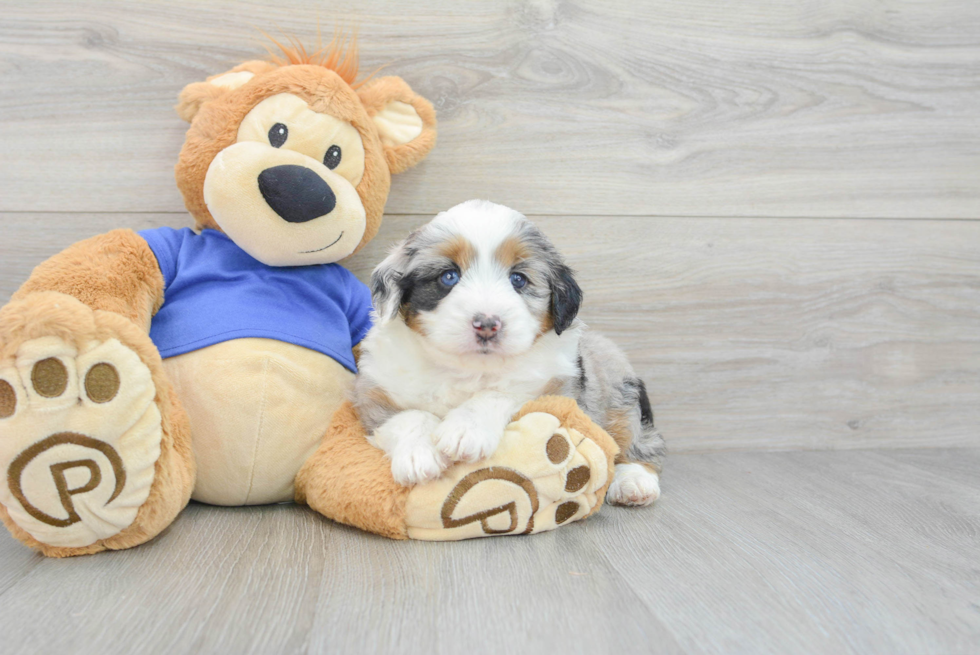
(829, 552)
(773, 206)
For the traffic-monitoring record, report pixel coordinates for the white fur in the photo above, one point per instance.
(416, 374)
(407, 438)
(634, 484)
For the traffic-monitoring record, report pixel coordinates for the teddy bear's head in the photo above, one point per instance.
(292, 159)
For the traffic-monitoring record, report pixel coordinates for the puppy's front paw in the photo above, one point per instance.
(633, 484)
(407, 439)
(416, 462)
(463, 436)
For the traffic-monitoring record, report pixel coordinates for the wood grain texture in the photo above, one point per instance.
(747, 552)
(684, 107)
(615, 125)
(750, 333)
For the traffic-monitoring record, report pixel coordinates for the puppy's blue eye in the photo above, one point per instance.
(519, 280)
(449, 278)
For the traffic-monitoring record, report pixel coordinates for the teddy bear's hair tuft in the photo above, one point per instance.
(340, 55)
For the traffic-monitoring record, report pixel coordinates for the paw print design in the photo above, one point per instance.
(79, 436)
(542, 475)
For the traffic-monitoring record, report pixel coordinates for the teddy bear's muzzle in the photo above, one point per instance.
(296, 193)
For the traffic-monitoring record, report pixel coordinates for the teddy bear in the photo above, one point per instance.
(139, 371)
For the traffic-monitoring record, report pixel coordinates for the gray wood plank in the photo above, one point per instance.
(832, 552)
(750, 333)
(840, 552)
(683, 107)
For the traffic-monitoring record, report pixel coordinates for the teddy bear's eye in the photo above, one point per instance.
(278, 135)
(332, 159)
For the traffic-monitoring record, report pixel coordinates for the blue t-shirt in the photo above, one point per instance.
(214, 291)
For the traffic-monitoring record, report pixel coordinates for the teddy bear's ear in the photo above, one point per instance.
(195, 95)
(406, 121)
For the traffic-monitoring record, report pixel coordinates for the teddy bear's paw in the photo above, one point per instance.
(79, 436)
(633, 485)
(542, 475)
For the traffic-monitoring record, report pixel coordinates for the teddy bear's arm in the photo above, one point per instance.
(553, 466)
(115, 272)
(82, 386)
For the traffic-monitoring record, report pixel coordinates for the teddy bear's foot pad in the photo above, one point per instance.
(542, 475)
(79, 436)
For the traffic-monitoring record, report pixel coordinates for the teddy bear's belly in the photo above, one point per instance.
(258, 408)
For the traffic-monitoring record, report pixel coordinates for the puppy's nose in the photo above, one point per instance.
(296, 193)
(486, 327)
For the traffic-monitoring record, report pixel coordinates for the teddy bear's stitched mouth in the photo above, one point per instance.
(306, 252)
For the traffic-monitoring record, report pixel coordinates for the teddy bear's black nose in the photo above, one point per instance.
(296, 193)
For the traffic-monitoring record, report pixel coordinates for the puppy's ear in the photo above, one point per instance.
(566, 297)
(386, 289)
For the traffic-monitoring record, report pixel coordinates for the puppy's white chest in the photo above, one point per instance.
(418, 379)
(442, 392)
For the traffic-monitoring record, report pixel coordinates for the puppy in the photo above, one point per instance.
(476, 315)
